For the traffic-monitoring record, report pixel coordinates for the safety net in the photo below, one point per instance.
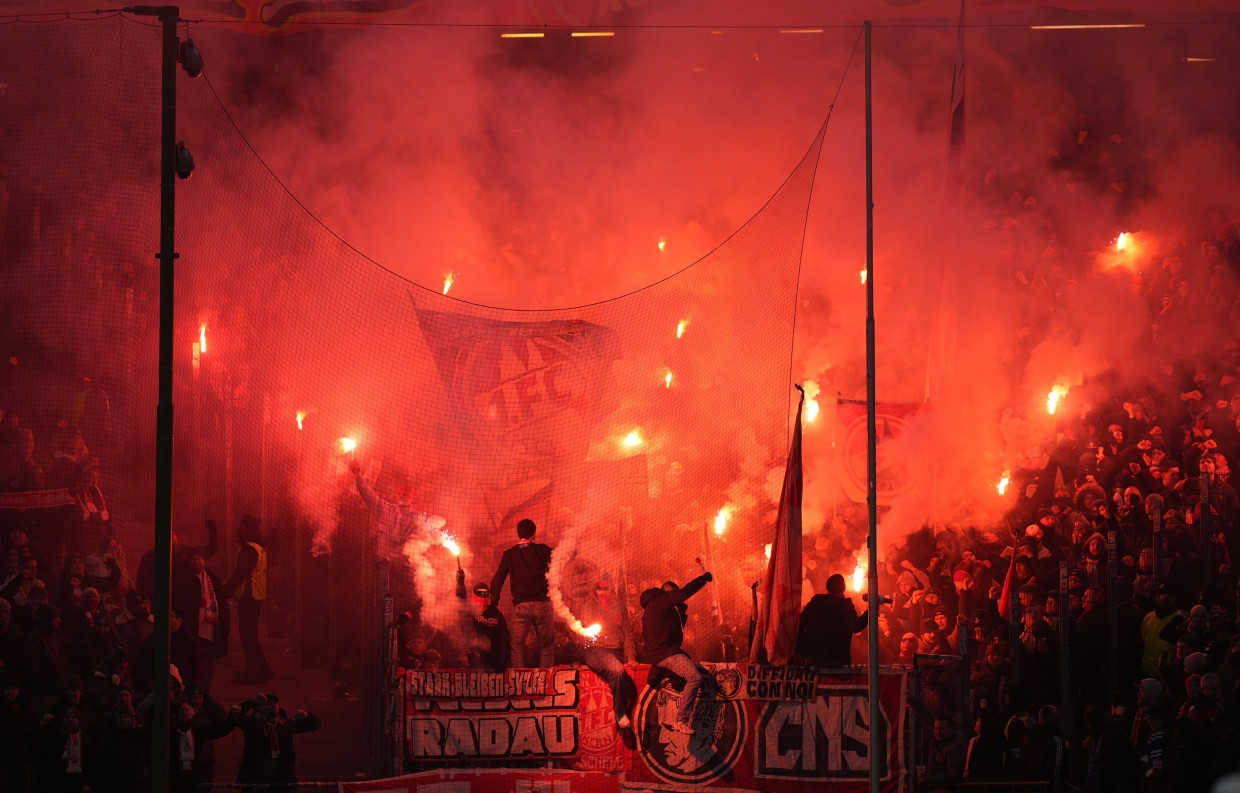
(354, 439)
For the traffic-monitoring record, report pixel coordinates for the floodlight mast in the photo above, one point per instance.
(161, 597)
(877, 736)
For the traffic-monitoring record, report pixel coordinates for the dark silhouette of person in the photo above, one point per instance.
(828, 622)
(249, 586)
(527, 562)
(267, 755)
(663, 622)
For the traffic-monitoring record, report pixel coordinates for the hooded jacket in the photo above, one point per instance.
(662, 628)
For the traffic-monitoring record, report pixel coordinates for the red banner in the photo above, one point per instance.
(562, 714)
(903, 467)
(757, 728)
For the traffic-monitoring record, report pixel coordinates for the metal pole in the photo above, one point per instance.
(1203, 506)
(298, 550)
(1065, 655)
(963, 695)
(227, 404)
(1158, 548)
(262, 465)
(1112, 609)
(388, 695)
(710, 562)
(1014, 618)
(161, 597)
(877, 759)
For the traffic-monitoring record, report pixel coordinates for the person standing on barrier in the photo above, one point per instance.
(663, 622)
(527, 562)
(611, 651)
(828, 622)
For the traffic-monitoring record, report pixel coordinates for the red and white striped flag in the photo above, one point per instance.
(780, 599)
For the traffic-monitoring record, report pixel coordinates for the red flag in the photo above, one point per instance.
(780, 609)
(1005, 597)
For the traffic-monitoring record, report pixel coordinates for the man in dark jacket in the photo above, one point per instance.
(527, 562)
(945, 758)
(191, 750)
(267, 755)
(828, 622)
(491, 650)
(199, 593)
(663, 621)
(47, 666)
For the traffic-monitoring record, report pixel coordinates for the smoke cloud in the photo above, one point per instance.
(558, 172)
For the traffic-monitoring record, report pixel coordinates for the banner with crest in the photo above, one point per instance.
(756, 727)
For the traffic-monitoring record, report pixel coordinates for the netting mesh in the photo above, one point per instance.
(638, 433)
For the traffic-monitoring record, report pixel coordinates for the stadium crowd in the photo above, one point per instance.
(76, 644)
(1110, 586)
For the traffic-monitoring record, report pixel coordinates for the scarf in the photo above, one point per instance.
(73, 754)
(186, 748)
(209, 609)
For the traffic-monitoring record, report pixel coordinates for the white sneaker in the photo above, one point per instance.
(623, 722)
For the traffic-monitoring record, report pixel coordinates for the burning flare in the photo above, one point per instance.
(1003, 482)
(811, 410)
(722, 517)
(448, 542)
(859, 572)
(202, 338)
(1057, 393)
(1130, 246)
(633, 439)
(449, 279)
(864, 275)
(301, 418)
(767, 551)
(680, 327)
(591, 632)
(662, 243)
(667, 379)
(347, 445)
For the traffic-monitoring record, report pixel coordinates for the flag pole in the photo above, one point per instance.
(876, 742)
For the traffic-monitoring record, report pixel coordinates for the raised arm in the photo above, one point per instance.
(303, 721)
(678, 596)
